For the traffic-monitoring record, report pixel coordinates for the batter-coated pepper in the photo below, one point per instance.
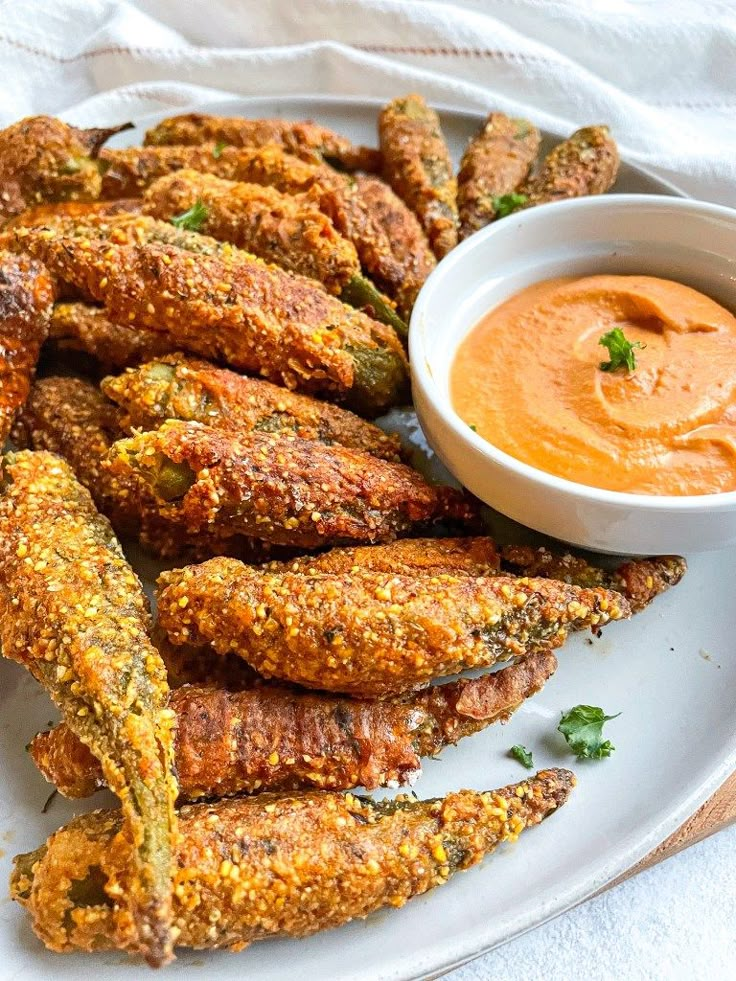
(472, 556)
(73, 612)
(129, 171)
(276, 739)
(639, 580)
(114, 222)
(179, 387)
(283, 489)
(372, 634)
(392, 248)
(288, 230)
(118, 222)
(83, 327)
(265, 866)
(71, 417)
(304, 139)
(417, 165)
(238, 309)
(291, 232)
(44, 159)
(106, 221)
(586, 163)
(66, 214)
(26, 298)
(494, 164)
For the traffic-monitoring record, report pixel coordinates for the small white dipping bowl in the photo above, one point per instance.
(680, 239)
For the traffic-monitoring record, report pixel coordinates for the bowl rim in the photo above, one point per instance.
(422, 377)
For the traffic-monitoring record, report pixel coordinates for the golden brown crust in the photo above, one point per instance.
(417, 165)
(82, 327)
(260, 218)
(586, 163)
(44, 159)
(307, 140)
(26, 297)
(469, 705)
(66, 762)
(179, 387)
(494, 164)
(282, 489)
(128, 172)
(71, 417)
(255, 317)
(115, 221)
(372, 634)
(477, 556)
(73, 612)
(639, 580)
(119, 222)
(287, 230)
(259, 867)
(67, 213)
(642, 580)
(112, 222)
(391, 245)
(276, 739)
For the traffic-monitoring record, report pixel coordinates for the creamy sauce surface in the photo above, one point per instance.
(528, 379)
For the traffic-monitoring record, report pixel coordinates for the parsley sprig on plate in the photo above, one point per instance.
(523, 756)
(582, 728)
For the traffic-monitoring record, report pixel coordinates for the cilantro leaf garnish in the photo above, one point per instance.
(582, 728)
(193, 219)
(218, 148)
(523, 755)
(507, 203)
(620, 349)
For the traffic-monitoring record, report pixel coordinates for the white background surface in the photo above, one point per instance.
(670, 922)
(662, 73)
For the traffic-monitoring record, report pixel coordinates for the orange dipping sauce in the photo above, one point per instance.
(528, 379)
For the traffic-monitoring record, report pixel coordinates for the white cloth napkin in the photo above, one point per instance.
(661, 74)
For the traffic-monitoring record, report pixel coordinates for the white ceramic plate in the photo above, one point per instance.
(671, 672)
